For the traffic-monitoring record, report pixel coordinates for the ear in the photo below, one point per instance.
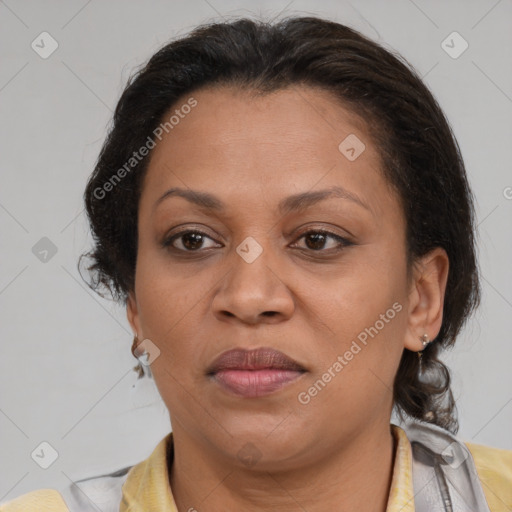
(426, 298)
(132, 313)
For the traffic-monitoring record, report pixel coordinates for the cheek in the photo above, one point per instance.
(365, 310)
(354, 297)
(353, 383)
(164, 292)
(168, 306)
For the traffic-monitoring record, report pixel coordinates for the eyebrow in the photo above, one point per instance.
(293, 203)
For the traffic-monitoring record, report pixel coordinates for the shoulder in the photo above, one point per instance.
(474, 473)
(42, 500)
(105, 491)
(80, 496)
(494, 468)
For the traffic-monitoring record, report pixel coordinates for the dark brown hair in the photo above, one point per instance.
(420, 155)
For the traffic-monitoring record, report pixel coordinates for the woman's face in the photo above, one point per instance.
(251, 269)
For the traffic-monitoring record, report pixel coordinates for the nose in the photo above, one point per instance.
(253, 292)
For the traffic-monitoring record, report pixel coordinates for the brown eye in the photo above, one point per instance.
(190, 241)
(316, 240)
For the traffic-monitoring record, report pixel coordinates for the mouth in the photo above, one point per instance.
(254, 373)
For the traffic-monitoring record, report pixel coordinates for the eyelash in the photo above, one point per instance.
(343, 242)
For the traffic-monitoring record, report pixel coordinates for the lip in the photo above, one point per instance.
(254, 373)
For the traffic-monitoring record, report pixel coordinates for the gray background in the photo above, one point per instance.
(65, 356)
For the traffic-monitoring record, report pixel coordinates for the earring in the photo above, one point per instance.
(425, 341)
(134, 346)
(139, 368)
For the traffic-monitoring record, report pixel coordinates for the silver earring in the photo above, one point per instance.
(140, 367)
(425, 341)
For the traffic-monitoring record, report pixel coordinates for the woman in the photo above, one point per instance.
(284, 212)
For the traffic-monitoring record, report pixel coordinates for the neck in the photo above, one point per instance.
(355, 477)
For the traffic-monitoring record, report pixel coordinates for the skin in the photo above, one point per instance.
(335, 452)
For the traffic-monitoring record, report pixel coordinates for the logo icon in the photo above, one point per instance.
(44, 250)
(148, 352)
(454, 45)
(454, 455)
(351, 147)
(44, 455)
(249, 454)
(249, 249)
(44, 45)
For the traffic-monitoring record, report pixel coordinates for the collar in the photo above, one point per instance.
(401, 494)
(147, 484)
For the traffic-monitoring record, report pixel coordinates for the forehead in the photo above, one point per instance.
(290, 140)
(298, 115)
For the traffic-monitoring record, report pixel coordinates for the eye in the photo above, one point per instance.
(190, 241)
(317, 239)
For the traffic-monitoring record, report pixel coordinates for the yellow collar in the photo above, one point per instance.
(147, 484)
(401, 494)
